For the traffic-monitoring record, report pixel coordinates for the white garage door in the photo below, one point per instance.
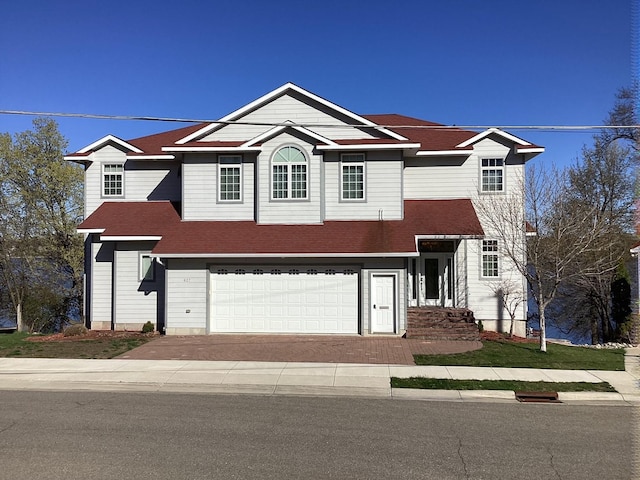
(284, 299)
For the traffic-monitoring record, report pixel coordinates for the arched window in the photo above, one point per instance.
(289, 174)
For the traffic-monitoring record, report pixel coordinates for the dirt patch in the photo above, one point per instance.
(92, 335)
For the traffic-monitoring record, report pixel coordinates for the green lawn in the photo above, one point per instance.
(449, 384)
(17, 345)
(528, 355)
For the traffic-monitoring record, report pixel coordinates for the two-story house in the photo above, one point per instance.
(294, 215)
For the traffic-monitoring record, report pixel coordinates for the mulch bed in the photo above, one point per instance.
(501, 337)
(90, 335)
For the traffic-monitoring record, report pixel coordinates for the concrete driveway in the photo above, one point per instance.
(295, 348)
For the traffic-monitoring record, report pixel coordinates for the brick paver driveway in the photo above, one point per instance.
(295, 348)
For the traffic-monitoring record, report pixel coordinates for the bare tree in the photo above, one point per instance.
(602, 182)
(558, 236)
(623, 119)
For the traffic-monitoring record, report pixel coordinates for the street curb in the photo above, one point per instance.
(592, 398)
(461, 396)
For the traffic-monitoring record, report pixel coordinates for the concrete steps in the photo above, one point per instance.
(438, 323)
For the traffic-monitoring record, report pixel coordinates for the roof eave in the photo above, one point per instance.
(211, 149)
(287, 255)
(150, 157)
(107, 139)
(370, 146)
(130, 238)
(440, 153)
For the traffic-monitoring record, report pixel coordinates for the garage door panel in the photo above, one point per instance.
(284, 300)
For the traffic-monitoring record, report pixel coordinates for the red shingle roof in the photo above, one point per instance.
(132, 218)
(432, 138)
(422, 218)
(152, 144)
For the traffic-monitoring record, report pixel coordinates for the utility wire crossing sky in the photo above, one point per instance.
(324, 125)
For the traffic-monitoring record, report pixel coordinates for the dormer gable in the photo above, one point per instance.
(275, 131)
(520, 145)
(98, 144)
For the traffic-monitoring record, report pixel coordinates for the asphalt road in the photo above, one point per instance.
(78, 435)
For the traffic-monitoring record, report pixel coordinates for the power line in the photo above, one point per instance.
(550, 128)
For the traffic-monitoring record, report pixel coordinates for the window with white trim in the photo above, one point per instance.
(289, 174)
(147, 268)
(352, 174)
(490, 262)
(112, 180)
(492, 175)
(229, 178)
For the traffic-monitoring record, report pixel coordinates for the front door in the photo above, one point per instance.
(437, 281)
(383, 303)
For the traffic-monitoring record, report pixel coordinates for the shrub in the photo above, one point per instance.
(74, 330)
(148, 327)
(480, 326)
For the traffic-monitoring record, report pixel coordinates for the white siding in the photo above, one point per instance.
(186, 283)
(457, 177)
(296, 109)
(440, 178)
(101, 271)
(383, 189)
(143, 179)
(307, 211)
(151, 180)
(93, 176)
(482, 291)
(136, 302)
(200, 184)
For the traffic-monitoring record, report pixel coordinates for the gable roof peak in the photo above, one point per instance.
(277, 93)
(109, 139)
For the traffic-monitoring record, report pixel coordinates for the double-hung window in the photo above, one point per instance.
(490, 262)
(113, 180)
(492, 175)
(229, 178)
(352, 176)
(289, 174)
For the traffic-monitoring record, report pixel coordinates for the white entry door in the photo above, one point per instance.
(383, 303)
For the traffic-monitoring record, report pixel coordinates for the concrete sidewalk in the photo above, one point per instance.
(296, 378)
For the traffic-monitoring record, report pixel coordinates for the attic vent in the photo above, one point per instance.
(276, 271)
(258, 271)
(240, 271)
(330, 271)
(312, 271)
(349, 271)
(223, 271)
(294, 271)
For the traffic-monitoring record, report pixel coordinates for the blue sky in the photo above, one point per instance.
(456, 62)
